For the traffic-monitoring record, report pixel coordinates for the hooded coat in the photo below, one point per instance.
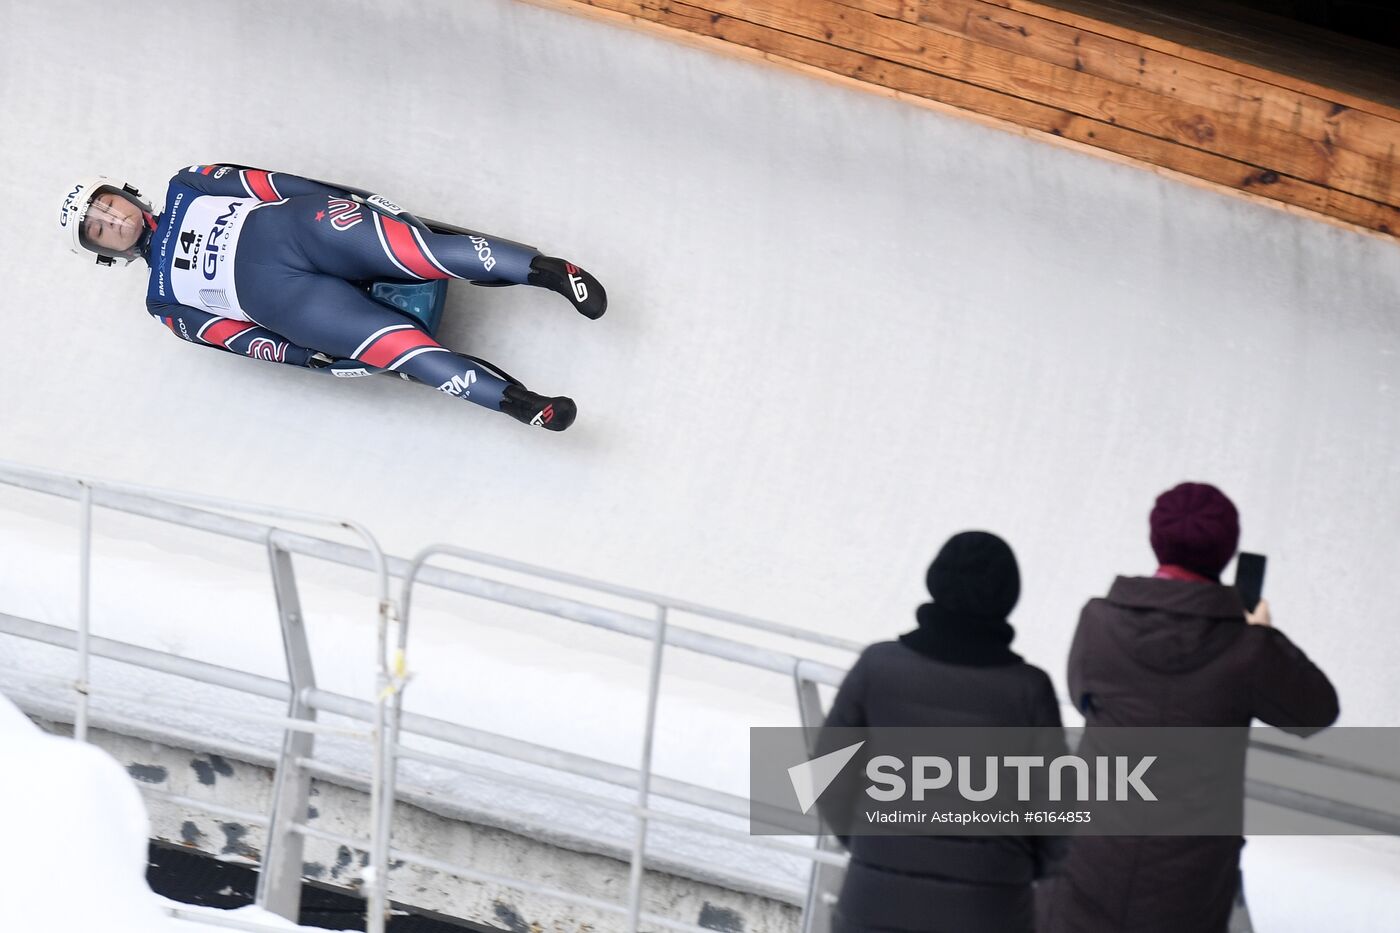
(1164, 652)
(956, 669)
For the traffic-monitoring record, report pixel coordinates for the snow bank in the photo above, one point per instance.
(1304, 883)
(75, 834)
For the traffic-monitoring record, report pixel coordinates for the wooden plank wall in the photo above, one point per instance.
(1075, 71)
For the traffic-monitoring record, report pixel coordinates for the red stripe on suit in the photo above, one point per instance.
(394, 345)
(220, 333)
(405, 249)
(261, 187)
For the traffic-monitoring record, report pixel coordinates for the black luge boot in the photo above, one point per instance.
(584, 292)
(552, 414)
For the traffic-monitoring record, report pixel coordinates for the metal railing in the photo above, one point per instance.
(384, 722)
(177, 507)
(280, 873)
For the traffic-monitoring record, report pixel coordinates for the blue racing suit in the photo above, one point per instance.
(264, 264)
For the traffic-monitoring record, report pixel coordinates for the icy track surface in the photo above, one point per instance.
(842, 328)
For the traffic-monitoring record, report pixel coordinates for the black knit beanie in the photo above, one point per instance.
(975, 573)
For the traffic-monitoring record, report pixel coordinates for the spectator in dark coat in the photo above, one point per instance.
(1178, 649)
(956, 669)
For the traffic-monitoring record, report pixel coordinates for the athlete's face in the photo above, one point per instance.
(112, 222)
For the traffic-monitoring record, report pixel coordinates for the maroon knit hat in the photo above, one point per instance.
(1195, 526)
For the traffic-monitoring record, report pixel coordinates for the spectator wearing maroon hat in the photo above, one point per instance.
(1177, 649)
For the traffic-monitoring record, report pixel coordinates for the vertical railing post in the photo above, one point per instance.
(80, 712)
(639, 845)
(279, 881)
(397, 676)
(825, 880)
(381, 804)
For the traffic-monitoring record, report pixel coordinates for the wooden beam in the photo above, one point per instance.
(701, 24)
(894, 9)
(1057, 122)
(1173, 38)
(1231, 135)
(1314, 119)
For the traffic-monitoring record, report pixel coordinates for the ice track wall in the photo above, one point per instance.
(841, 328)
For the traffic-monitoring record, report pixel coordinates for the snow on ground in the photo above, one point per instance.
(1296, 884)
(75, 835)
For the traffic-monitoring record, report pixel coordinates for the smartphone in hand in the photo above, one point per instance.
(1249, 578)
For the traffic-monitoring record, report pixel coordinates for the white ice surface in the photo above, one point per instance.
(842, 328)
(75, 832)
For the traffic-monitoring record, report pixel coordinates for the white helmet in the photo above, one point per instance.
(117, 229)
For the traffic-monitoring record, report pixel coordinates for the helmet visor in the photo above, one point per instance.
(113, 224)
